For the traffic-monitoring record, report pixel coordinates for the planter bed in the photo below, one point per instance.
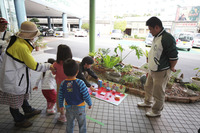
(175, 93)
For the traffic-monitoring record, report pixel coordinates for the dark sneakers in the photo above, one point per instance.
(23, 124)
(26, 123)
(33, 113)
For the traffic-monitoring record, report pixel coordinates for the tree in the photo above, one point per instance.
(85, 26)
(120, 25)
(35, 20)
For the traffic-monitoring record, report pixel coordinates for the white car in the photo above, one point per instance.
(184, 40)
(116, 34)
(196, 40)
(80, 33)
(149, 40)
(58, 32)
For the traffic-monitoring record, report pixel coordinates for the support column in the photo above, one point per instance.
(80, 23)
(69, 27)
(49, 22)
(92, 26)
(3, 10)
(20, 11)
(64, 21)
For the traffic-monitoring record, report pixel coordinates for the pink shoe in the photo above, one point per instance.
(51, 111)
(62, 118)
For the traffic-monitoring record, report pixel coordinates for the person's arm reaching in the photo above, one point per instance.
(38, 81)
(82, 77)
(91, 73)
(172, 65)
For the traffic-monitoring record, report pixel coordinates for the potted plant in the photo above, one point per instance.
(37, 43)
(131, 81)
(124, 69)
(43, 45)
(37, 46)
(110, 61)
(105, 62)
(146, 53)
(138, 51)
(92, 54)
(192, 86)
(196, 79)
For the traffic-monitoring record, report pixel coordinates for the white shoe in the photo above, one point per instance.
(142, 104)
(62, 118)
(151, 114)
(51, 111)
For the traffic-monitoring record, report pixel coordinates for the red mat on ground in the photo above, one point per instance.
(111, 96)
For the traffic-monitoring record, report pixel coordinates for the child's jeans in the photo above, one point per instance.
(78, 113)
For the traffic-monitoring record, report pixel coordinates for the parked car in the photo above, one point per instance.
(47, 32)
(116, 34)
(149, 40)
(184, 40)
(58, 32)
(81, 33)
(196, 40)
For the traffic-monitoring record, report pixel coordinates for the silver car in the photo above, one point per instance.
(196, 40)
(58, 32)
(149, 40)
(80, 33)
(116, 34)
(184, 40)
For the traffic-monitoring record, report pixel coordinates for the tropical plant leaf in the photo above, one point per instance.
(110, 61)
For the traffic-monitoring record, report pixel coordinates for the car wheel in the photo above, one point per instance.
(188, 49)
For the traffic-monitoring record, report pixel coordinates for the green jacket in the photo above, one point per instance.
(163, 50)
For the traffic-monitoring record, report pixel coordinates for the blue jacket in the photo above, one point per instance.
(75, 92)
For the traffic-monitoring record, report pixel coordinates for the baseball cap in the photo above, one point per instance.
(3, 21)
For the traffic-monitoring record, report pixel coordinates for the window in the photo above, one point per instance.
(10, 11)
(59, 29)
(141, 31)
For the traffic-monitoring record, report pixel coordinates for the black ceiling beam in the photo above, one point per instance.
(50, 17)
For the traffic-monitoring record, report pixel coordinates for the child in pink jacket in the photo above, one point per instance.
(63, 53)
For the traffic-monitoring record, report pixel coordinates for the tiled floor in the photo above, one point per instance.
(124, 118)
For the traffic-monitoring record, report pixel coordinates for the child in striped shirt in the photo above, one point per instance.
(75, 93)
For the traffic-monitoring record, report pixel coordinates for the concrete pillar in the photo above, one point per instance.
(49, 22)
(69, 27)
(80, 23)
(64, 21)
(92, 26)
(20, 11)
(3, 10)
